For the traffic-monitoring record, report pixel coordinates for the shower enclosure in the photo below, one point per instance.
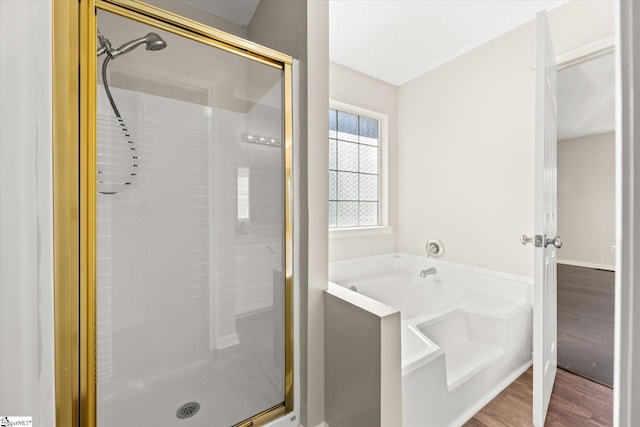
(185, 223)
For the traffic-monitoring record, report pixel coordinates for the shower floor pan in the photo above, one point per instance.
(234, 380)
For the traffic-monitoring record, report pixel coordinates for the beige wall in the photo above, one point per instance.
(578, 23)
(301, 29)
(363, 376)
(586, 200)
(316, 215)
(465, 165)
(466, 141)
(201, 16)
(357, 89)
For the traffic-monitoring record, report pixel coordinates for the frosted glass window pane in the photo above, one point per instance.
(333, 124)
(347, 156)
(354, 155)
(243, 193)
(368, 159)
(347, 214)
(332, 213)
(333, 156)
(347, 186)
(368, 131)
(368, 213)
(369, 188)
(347, 126)
(333, 191)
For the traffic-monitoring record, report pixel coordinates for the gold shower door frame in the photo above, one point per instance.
(74, 193)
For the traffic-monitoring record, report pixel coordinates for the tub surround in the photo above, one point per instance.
(465, 332)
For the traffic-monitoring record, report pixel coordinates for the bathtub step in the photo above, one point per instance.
(467, 358)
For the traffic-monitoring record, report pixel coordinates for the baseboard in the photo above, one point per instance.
(587, 264)
(468, 414)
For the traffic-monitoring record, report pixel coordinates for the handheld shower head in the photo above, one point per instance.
(155, 42)
(105, 177)
(152, 40)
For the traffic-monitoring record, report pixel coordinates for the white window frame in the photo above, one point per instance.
(383, 186)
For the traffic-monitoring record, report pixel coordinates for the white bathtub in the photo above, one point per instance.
(466, 333)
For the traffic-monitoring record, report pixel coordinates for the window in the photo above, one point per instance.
(243, 193)
(354, 169)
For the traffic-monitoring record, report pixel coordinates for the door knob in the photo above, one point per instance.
(556, 241)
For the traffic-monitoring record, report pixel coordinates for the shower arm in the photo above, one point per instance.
(105, 45)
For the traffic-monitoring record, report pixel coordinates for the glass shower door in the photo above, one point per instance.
(190, 230)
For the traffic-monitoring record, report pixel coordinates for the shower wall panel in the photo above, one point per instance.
(176, 266)
(153, 239)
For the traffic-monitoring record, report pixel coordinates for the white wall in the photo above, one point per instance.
(586, 200)
(466, 139)
(26, 271)
(357, 89)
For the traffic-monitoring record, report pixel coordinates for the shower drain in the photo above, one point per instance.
(188, 410)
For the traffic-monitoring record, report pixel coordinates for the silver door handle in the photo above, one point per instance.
(539, 242)
(556, 241)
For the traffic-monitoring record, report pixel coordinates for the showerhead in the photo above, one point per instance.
(152, 40)
(155, 42)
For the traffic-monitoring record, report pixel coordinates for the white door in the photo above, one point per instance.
(545, 348)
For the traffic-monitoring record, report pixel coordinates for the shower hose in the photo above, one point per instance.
(123, 127)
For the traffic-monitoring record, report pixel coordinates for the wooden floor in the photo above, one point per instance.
(586, 322)
(575, 401)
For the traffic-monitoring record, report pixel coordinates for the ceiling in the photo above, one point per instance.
(586, 98)
(237, 11)
(398, 40)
